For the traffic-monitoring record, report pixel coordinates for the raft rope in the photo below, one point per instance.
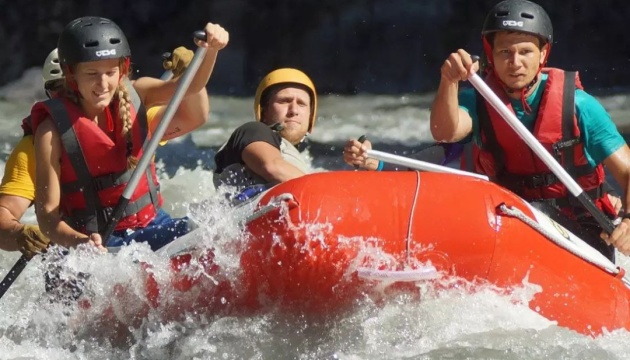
(413, 210)
(578, 248)
(426, 272)
(276, 202)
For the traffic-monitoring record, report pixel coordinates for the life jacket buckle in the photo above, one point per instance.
(563, 144)
(541, 180)
(111, 180)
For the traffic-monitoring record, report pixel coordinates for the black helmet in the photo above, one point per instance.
(91, 38)
(519, 15)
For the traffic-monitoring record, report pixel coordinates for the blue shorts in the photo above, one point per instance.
(160, 231)
(248, 193)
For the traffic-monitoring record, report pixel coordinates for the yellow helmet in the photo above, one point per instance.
(287, 76)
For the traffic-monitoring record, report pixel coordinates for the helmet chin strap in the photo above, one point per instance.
(524, 89)
(72, 84)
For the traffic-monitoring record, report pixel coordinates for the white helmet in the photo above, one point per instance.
(52, 70)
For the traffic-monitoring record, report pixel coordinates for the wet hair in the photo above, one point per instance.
(53, 87)
(124, 113)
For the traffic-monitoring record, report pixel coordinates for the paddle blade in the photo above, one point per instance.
(15, 271)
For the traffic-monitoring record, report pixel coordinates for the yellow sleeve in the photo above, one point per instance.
(19, 172)
(152, 113)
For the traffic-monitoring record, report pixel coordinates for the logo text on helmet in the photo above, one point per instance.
(101, 53)
(512, 23)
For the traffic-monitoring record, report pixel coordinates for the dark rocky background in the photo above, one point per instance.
(347, 46)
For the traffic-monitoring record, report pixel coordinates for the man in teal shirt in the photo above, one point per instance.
(517, 36)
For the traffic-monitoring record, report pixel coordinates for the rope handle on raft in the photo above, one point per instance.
(428, 272)
(275, 203)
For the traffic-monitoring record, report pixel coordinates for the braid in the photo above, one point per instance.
(70, 94)
(69, 89)
(124, 112)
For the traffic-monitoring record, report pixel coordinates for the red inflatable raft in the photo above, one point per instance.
(320, 242)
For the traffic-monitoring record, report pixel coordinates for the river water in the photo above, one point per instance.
(449, 324)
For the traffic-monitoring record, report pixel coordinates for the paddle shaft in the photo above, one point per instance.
(10, 277)
(150, 146)
(419, 164)
(168, 75)
(574, 188)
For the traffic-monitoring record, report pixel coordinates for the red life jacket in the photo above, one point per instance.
(509, 161)
(94, 168)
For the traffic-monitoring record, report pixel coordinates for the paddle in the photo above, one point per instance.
(604, 221)
(10, 277)
(451, 152)
(149, 149)
(150, 146)
(419, 164)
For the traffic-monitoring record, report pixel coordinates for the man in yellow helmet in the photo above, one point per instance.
(264, 152)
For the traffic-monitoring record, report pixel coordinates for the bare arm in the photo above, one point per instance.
(48, 189)
(448, 122)
(266, 160)
(619, 165)
(17, 193)
(12, 208)
(193, 112)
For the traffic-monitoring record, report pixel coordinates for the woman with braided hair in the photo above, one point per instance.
(89, 139)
